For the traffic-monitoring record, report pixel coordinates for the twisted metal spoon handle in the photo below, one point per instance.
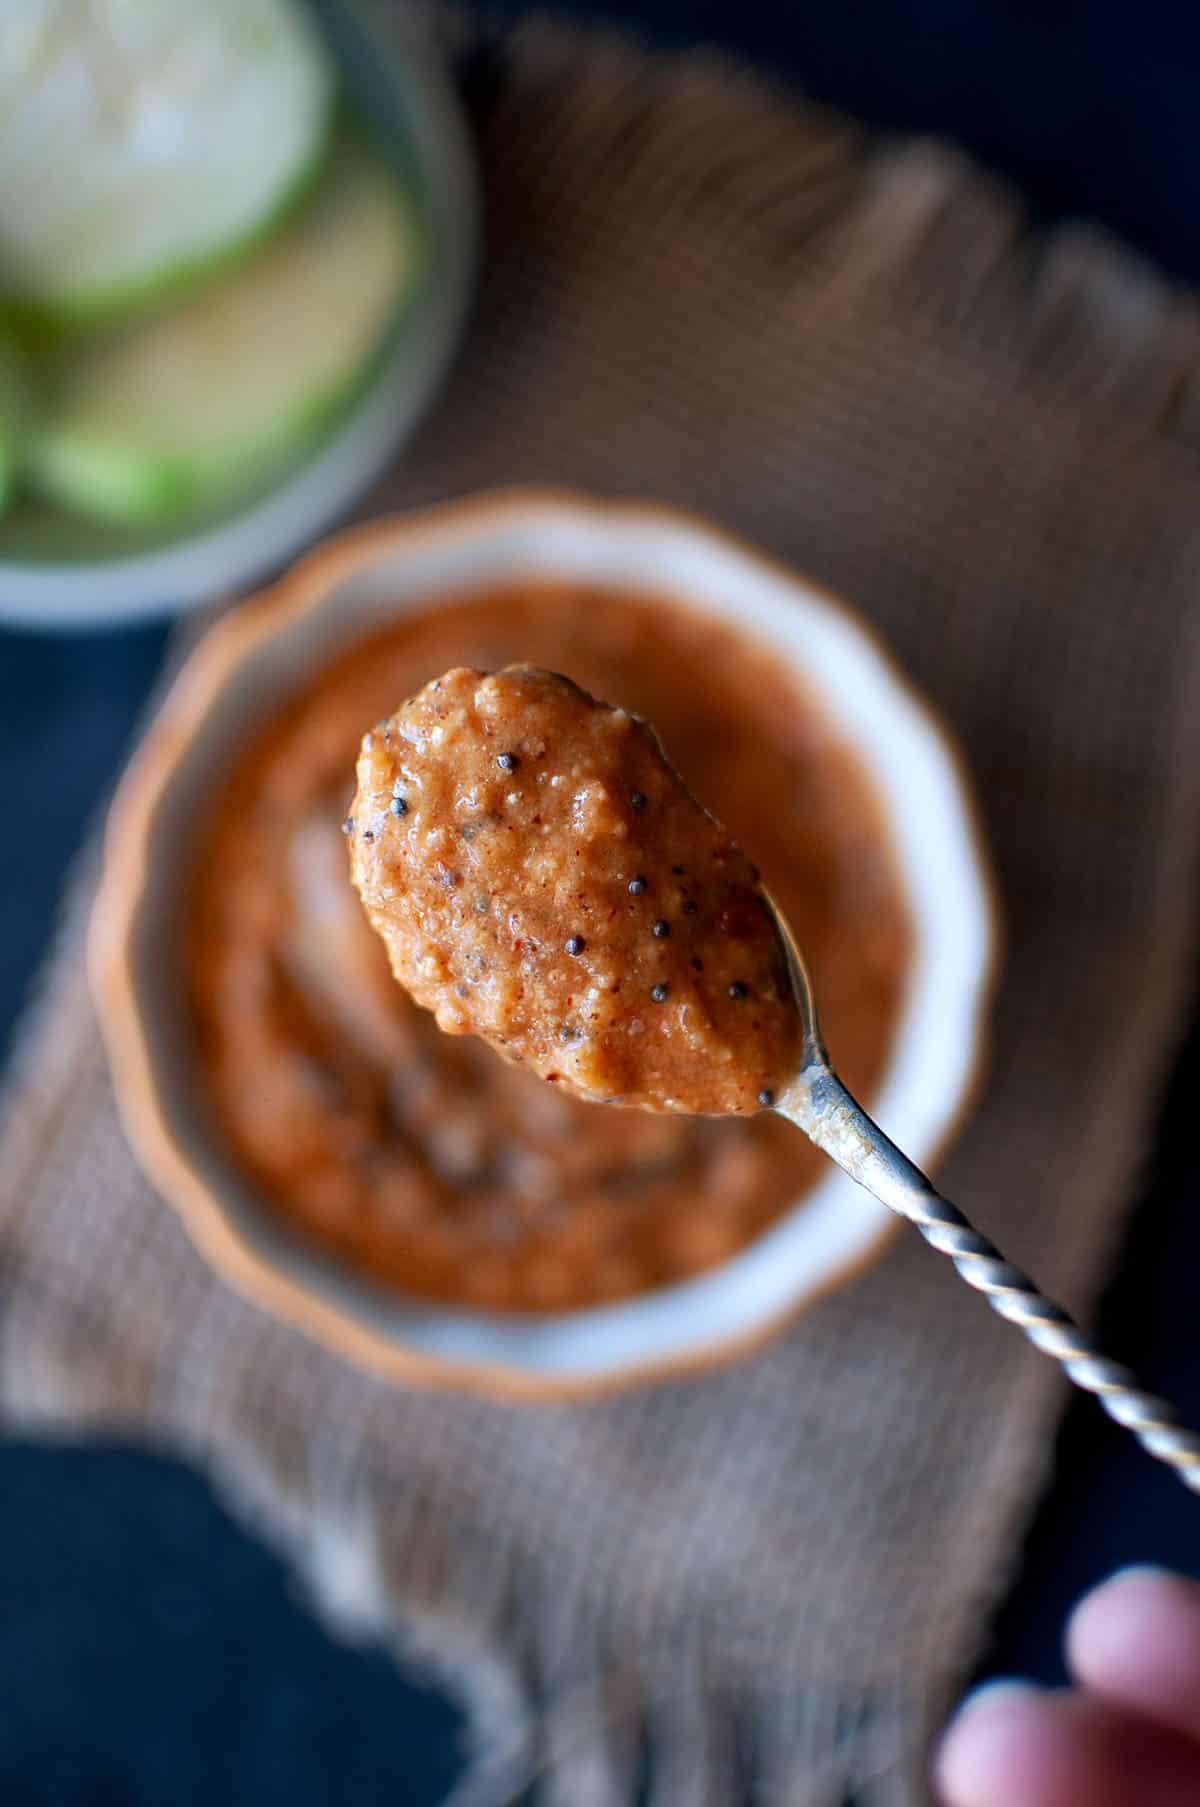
(819, 1104)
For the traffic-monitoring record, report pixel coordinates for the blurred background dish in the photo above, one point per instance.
(185, 404)
(912, 1017)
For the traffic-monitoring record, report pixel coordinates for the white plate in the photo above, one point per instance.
(59, 572)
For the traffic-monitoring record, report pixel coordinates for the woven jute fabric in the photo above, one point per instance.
(767, 1582)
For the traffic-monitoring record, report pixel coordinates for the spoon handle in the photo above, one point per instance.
(819, 1104)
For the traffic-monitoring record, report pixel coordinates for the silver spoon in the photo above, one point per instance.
(442, 721)
(817, 1102)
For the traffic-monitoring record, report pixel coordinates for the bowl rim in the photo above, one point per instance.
(126, 876)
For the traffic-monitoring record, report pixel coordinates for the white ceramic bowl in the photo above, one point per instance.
(57, 571)
(261, 653)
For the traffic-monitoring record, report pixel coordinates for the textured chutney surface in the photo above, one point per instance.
(423, 1159)
(543, 878)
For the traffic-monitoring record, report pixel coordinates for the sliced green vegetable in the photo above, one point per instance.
(16, 413)
(142, 142)
(184, 411)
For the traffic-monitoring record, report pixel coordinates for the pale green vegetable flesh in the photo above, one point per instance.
(188, 409)
(144, 141)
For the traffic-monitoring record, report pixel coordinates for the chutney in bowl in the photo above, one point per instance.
(406, 1195)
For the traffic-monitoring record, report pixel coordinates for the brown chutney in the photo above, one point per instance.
(542, 877)
(420, 1159)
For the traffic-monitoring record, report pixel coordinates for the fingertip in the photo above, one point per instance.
(1139, 1572)
(1117, 1607)
(1135, 1577)
(997, 1688)
(974, 1762)
(1135, 1642)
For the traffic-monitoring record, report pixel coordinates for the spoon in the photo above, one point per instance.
(565, 820)
(817, 1102)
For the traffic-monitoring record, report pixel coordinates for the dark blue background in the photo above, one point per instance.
(149, 1651)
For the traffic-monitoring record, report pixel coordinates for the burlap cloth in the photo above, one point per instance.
(857, 354)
